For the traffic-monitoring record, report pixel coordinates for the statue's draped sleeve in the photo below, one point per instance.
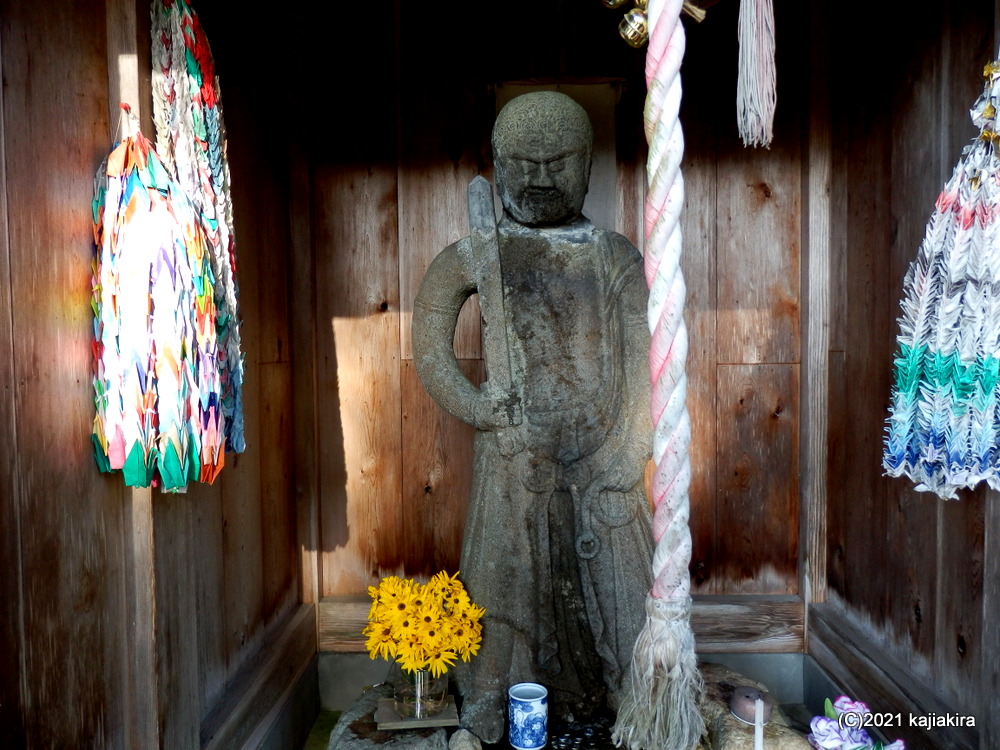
(622, 458)
(448, 283)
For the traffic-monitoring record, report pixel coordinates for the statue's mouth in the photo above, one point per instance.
(542, 193)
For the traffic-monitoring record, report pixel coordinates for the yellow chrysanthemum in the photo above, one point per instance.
(423, 626)
(380, 642)
(440, 662)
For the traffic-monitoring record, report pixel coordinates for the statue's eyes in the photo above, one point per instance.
(557, 165)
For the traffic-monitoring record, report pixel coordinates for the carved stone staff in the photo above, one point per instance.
(489, 282)
(661, 709)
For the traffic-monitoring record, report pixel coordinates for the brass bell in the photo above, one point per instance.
(634, 28)
(613, 4)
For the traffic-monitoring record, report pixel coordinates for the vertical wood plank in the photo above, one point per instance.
(70, 518)
(242, 594)
(358, 338)
(816, 303)
(127, 86)
(758, 489)
(210, 584)
(699, 229)
(988, 682)
(857, 500)
(440, 136)
(176, 597)
(759, 241)
(967, 44)
(303, 333)
(11, 649)
(437, 476)
(279, 556)
(912, 604)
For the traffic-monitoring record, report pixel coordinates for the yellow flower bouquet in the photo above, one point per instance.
(423, 626)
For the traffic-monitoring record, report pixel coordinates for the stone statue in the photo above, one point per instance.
(557, 544)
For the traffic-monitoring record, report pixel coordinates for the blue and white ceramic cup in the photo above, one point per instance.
(528, 715)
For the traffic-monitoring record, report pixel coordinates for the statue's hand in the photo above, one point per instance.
(497, 408)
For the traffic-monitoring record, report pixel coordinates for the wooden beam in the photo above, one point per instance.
(751, 624)
(125, 85)
(261, 690)
(858, 664)
(721, 624)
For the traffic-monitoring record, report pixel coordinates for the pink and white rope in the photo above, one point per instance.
(668, 350)
(660, 709)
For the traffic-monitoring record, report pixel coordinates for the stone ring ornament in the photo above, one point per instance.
(588, 544)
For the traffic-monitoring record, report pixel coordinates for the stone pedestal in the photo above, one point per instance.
(357, 730)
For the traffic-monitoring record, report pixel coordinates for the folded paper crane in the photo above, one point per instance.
(157, 382)
(944, 422)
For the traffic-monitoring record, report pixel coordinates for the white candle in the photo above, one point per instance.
(758, 725)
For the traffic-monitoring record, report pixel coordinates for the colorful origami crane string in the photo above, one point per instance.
(191, 138)
(944, 420)
(157, 382)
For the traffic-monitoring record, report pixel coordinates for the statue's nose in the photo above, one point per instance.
(542, 176)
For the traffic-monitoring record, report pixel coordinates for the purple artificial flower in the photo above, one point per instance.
(843, 704)
(827, 734)
(897, 745)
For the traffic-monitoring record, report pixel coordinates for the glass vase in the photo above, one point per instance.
(419, 694)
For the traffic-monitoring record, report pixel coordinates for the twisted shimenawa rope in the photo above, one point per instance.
(660, 709)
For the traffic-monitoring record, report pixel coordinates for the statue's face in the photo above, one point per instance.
(542, 179)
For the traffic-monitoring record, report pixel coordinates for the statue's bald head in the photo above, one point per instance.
(542, 145)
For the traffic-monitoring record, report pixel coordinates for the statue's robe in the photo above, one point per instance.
(561, 608)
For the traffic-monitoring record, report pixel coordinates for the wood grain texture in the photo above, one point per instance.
(358, 341)
(263, 683)
(757, 455)
(752, 624)
(912, 603)
(961, 526)
(12, 732)
(699, 227)
(179, 706)
(853, 658)
(437, 476)
(721, 624)
(306, 398)
(759, 243)
(816, 166)
(71, 596)
(988, 682)
(279, 558)
(441, 139)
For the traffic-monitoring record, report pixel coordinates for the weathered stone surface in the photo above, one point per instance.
(558, 543)
(357, 730)
(463, 739)
(725, 731)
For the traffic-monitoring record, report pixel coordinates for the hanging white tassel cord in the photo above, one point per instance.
(756, 80)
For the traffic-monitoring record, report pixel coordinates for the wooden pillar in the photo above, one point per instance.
(816, 304)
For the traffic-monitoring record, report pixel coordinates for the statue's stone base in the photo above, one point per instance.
(357, 730)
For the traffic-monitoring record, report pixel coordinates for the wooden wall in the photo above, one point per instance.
(129, 618)
(393, 470)
(910, 621)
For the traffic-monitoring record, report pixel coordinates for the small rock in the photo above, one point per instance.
(463, 739)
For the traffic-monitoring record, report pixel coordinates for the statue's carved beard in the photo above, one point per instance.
(540, 206)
